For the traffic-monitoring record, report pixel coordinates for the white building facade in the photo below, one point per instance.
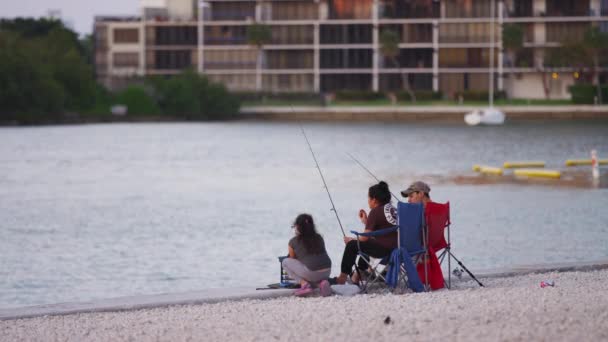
(332, 45)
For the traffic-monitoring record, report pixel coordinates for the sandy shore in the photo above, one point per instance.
(510, 308)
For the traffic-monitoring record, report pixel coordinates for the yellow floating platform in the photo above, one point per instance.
(537, 173)
(577, 162)
(519, 164)
(476, 168)
(489, 170)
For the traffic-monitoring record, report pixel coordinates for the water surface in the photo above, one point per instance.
(98, 211)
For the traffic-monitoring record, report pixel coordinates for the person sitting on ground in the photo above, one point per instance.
(382, 215)
(308, 262)
(417, 192)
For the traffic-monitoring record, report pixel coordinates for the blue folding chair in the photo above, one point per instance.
(411, 235)
(401, 267)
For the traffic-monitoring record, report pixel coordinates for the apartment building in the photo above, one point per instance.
(329, 45)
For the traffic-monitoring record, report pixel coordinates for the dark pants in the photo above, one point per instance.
(368, 247)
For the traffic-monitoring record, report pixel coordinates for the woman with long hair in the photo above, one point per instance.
(382, 215)
(308, 262)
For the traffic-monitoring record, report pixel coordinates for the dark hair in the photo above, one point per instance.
(380, 192)
(308, 236)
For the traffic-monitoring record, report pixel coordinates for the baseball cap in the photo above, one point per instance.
(416, 186)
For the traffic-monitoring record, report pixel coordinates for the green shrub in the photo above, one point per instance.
(476, 95)
(193, 97)
(138, 102)
(421, 95)
(586, 93)
(297, 96)
(358, 95)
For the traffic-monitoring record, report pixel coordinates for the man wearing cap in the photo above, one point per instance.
(417, 192)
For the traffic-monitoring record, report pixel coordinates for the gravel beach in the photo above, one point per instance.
(511, 308)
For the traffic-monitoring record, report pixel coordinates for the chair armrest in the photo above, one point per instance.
(377, 232)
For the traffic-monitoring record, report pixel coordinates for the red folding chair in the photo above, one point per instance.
(437, 216)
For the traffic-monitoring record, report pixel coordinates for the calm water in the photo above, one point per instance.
(102, 211)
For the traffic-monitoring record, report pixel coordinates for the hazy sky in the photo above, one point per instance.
(77, 13)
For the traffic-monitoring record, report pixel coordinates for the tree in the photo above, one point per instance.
(28, 89)
(389, 46)
(586, 53)
(595, 43)
(138, 101)
(512, 40)
(43, 71)
(193, 97)
(258, 35)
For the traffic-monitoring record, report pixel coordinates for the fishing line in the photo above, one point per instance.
(333, 207)
(368, 171)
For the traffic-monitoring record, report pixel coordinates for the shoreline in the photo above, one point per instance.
(434, 114)
(515, 308)
(211, 296)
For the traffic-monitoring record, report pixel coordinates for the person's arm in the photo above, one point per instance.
(292, 253)
(368, 222)
(363, 217)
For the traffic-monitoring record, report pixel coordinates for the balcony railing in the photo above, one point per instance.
(218, 15)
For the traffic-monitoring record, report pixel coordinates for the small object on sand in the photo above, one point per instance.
(457, 272)
(546, 283)
(387, 320)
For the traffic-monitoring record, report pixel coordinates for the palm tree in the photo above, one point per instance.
(512, 41)
(258, 35)
(389, 46)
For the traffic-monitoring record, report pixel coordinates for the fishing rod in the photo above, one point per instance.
(368, 171)
(333, 207)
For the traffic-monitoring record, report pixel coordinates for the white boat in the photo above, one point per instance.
(486, 116)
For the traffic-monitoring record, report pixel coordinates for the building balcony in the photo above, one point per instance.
(219, 15)
(225, 41)
(229, 65)
(407, 9)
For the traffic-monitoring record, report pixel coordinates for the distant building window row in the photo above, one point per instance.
(124, 35)
(173, 60)
(176, 35)
(126, 59)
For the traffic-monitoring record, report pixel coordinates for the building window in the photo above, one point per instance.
(411, 58)
(568, 8)
(101, 37)
(392, 82)
(350, 9)
(225, 35)
(294, 10)
(468, 9)
(290, 59)
(346, 58)
(176, 35)
(128, 36)
(467, 33)
(126, 59)
(560, 32)
(337, 82)
(232, 10)
(173, 60)
(230, 59)
(346, 34)
(292, 34)
(288, 83)
(409, 9)
(520, 8)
